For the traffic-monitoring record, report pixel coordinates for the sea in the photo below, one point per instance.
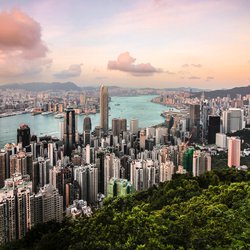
(139, 107)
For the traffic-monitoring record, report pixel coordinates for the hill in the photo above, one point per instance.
(224, 92)
(42, 86)
(207, 212)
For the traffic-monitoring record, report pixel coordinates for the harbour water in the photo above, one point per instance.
(139, 107)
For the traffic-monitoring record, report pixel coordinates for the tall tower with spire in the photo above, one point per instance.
(104, 111)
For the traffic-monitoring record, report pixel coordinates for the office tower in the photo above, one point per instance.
(194, 115)
(104, 111)
(87, 160)
(119, 187)
(213, 128)
(234, 145)
(69, 131)
(201, 162)
(86, 130)
(118, 126)
(142, 139)
(159, 135)
(221, 140)
(166, 171)
(51, 153)
(23, 135)
(82, 99)
(61, 130)
(100, 165)
(188, 160)
(3, 156)
(134, 126)
(150, 132)
(232, 120)
(61, 107)
(205, 111)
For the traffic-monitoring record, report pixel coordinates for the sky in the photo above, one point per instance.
(128, 43)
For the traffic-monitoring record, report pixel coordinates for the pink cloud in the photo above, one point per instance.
(194, 78)
(21, 44)
(209, 78)
(125, 63)
(74, 70)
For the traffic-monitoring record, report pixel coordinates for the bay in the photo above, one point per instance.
(138, 107)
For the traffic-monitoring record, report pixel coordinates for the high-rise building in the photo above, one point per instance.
(234, 145)
(118, 126)
(23, 135)
(69, 131)
(87, 177)
(232, 120)
(15, 210)
(86, 130)
(166, 171)
(119, 187)
(201, 162)
(3, 156)
(134, 126)
(194, 115)
(104, 109)
(213, 128)
(221, 140)
(137, 174)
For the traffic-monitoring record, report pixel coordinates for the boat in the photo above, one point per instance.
(117, 104)
(47, 113)
(59, 116)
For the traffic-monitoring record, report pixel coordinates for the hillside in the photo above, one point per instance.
(42, 86)
(224, 92)
(208, 212)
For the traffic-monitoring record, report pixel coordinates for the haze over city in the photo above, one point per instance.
(157, 43)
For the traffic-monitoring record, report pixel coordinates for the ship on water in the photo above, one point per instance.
(59, 116)
(47, 113)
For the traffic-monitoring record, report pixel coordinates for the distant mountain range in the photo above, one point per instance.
(119, 91)
(224, 92)
(42, 86)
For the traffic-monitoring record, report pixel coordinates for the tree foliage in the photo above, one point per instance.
(207, 212)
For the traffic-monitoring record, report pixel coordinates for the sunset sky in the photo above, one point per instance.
(134, 43)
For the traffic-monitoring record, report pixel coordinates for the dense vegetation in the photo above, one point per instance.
(208, 212)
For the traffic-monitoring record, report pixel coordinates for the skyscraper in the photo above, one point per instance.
(23, 135)
(118, 126)
(234, 145)
(69, 131)
(104, 111)
(213, 128)
(232, 120)
(86, 130)
(134, 124)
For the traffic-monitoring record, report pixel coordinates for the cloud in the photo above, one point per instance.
(197, 65)
(21, 45)
(194, 78)
(186, 65)
(209, 78)
(74, 70)
(125, 63)
(169, 72)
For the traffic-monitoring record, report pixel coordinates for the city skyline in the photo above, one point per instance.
(126, 43)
